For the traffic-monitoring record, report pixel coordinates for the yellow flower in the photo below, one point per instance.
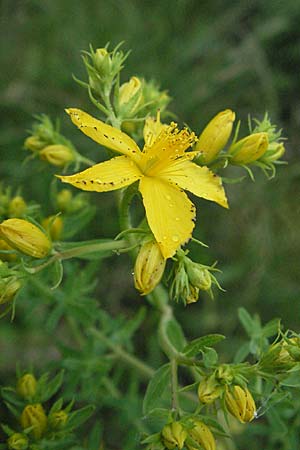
(163, 168)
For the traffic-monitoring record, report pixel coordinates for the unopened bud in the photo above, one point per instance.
(173, 435)
(149, 267)
(17, 207)
(192, 296)
(57, 154)
(25, 237)
(63, 199)
(17, 441)
(34, 144)
(7, 248)
(58, 420)
(275, 151)
(8, 289)
(209, 390)
(26, 386)
(215, 136)
(130, 96)
(249, 149)
(54, 226)
(102, 61)
(240, 403)
(199, 276)
(34, 416)
(202, 435)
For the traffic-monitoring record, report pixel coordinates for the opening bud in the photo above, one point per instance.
(34, 416)
(17, 441)
(57, 154)
(173, 436)
(149, 267)
(249, 149)
(26, 386)
(209, 390)
(202, 436)
(240, 403)
(215, 136)
(25, 237)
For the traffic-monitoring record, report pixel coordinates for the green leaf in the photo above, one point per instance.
(247, 321)
(156, 388)
(199, 344)
(78, 417)
(175, 334)
(46, 389)
(271, 328)
(210, 357)
(276, 422)
(242, 353)
(293, 380)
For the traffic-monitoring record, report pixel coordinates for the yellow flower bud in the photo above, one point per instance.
(57, 154)
(130, 95)
(173, 436)
(34, 416)
(6, 256)
(54, 226)
(8, 289)
(275, 151)
(34, 144)
(149, 267)
(193, 295)
(215, 136)
(26, 386)
(240, 403)
(209, 390)
(17, 441)
(63, 199)
(17, 207)
(25, 237)
(249, 149)
(58, 420)
(202, 435)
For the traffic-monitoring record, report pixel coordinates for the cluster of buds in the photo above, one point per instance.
(190, 278)
(25, 237)
(49, 145)
(191, 435)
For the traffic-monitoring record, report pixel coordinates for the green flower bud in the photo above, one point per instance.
(149, 267)
(102, 61)
(215, 136)
(57, 154)
(8, 289)
(240, 403)
(25, 237)
(199, 276)
(275, 151)
(58, 420)
(17, 207)
(34, 416)
(173, 436)
(17, 441)
(209, 390)
(249, 149)
(224, 374)
(202, 435)
(26, 386)
(34, 144)
(63, 200)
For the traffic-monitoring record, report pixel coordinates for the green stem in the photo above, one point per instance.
(174, 385)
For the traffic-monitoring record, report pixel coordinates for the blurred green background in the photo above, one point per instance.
(209, 55)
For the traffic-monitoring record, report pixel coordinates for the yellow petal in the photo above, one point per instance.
(169, 213)
(198, 180)
(106, 176)
(104, 134)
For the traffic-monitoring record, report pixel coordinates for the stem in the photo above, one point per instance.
(174, 385)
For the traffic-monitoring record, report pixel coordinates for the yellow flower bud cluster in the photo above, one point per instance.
(175, 435)
(149, 267)
(48, 144)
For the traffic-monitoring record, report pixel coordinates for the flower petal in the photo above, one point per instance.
(104, 134)
(199, 180)
(169, 213)
(110, 175)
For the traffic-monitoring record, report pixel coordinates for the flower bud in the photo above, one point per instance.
(130, 95)
(198, 275)
(209, 390)
(275, 151)
(240, 403)
(34, 144)
(215, 136)
(17, 441)
(25, 237)
(26, 386)
(149, 267)
(249, 149)
(202, 435)
(58, 420)
(54, 226)
(63, 200)
(8, 289)
(102, 61)
(17, 207)
(192, 296)
(173, 435)
(57, 154)
(9, 257)
(34, 416)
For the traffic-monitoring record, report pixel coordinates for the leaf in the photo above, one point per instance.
(293, 380)
(242, 353)
(175, 334)
(247, 321)
(46, 389)
(276, 422)
(156, 388)
(78, 417)
(199, 344)
(271, 328)
(210, 357)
